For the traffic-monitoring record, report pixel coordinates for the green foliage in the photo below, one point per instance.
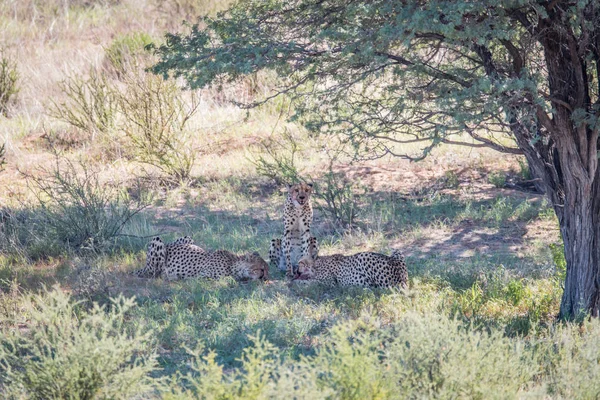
(91, 103)
(558, 256)
(78, 209)
(451, 180)
(338, 198)
(360, 89)
(417, 356)
(67, 352)
(498, 179)
(122, 54)
(278, 159)
(9, 82)
(155, 119)
(524, 171)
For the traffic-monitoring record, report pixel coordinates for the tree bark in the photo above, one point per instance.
(581, 236)
(563, 155)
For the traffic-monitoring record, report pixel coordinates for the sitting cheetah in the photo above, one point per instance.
(180, 260)
(276, 257)
(361, 269)
(297, 218)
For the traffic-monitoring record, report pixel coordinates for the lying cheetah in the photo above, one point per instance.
(180, 260)
(155, 255)
(276, 257)
(297, 218)
(361, 269)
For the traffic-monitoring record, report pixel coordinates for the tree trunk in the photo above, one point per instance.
(581, 236)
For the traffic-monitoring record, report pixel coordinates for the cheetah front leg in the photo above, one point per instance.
(306, 242)
(275, 253)
(286, 245)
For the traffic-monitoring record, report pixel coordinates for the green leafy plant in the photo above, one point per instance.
(339, 200)
(278, 159)
(451, 180)
(67, 352)
(498, 179)
(155, 119)
(9, 82)
(524, 171)
(558, 256)
(91, 103)
(80, 210)
(123, 54)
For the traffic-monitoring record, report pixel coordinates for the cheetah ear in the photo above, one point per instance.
(256, 254)
(310, 184)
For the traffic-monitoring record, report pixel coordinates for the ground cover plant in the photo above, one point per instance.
(83, 192)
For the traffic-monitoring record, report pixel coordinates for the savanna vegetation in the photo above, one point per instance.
(98, 154)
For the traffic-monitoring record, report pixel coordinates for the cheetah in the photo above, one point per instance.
(156, 251)
(275, 254)
(361, 269)
(297, 218)
(183, 259)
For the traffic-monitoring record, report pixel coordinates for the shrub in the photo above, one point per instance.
(78, 209)
(337, 193)
(155, 120)
(498, 179)
(450, 180)
(91, 103)
(66, 352)
(524, 171)
(279, 161)
(122, 54)
(9, 87)
(262, 375)
(419, 356)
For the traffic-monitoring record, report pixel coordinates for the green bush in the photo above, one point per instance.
(9, 78)
(416, 357)
(451, 180)
(122, 55)
(338, 198)
(155, 119)
(78, 209)
(91, 103)
(65, 352)
(278, 160)
(498, 179)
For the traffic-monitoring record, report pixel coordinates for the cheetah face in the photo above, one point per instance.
(306, 268)
(253, 267)
(300, 193)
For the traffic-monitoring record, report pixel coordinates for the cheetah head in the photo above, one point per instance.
(306, 268)
(300, 193)
(251, 267)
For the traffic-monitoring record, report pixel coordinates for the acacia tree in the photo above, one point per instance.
(519, 76)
